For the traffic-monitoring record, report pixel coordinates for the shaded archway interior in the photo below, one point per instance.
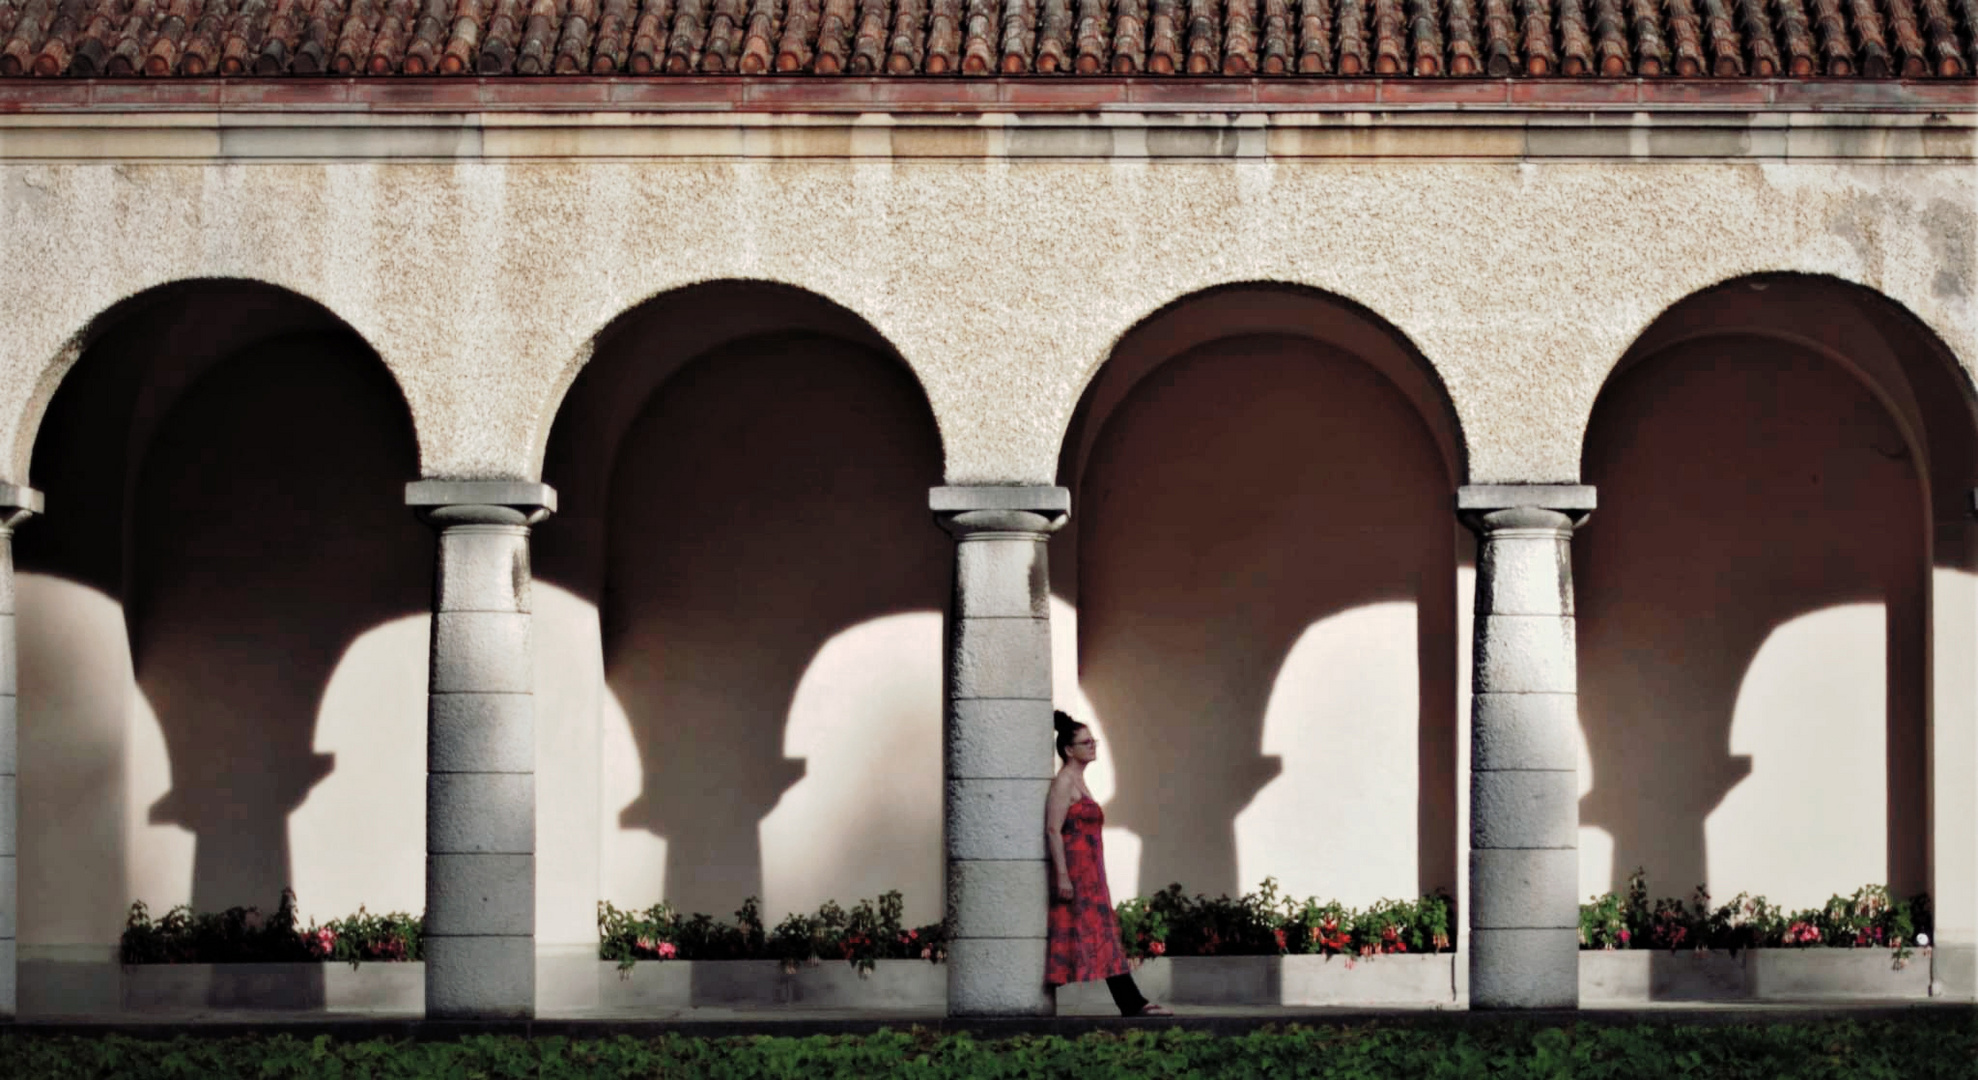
(1262, 559)
(1781, 462)
(743, 470)
(223, 468)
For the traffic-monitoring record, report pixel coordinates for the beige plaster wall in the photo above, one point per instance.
(1752, 631)
(1003, 282)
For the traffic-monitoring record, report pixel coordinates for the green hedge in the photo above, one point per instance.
(1920, 1046)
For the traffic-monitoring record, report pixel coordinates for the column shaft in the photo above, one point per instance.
(1524, 785)
(480, 751)
(997, 746)
(17, 504)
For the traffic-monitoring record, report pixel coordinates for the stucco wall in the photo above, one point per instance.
(1003, 284)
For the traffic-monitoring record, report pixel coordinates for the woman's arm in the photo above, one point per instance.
(1056, 806)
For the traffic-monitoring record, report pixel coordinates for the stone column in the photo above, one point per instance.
(17, 504)
(481, 750)
(997, 745)
(1524, 786)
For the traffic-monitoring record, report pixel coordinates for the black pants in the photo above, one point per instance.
(1126, 995)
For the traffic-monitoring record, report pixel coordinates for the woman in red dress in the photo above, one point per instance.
(1084, 934)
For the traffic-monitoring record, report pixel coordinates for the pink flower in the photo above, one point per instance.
(1158, 948)
(1625, 936)
(667, 951)
(927, 953)
(322, 942)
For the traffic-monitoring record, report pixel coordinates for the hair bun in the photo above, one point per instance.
(1062, 723)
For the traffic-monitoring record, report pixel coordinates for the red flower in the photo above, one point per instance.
(1158, 948)
(1279, 935)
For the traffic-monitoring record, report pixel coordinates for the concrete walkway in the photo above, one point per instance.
(716, 1022)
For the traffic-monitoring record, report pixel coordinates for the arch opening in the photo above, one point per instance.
(225, 533)
(1262, 483)
(1784, 466)
(750, 625)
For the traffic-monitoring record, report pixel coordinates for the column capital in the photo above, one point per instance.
(18, 502)
(1496, 509)
(1000, 511)
(443, 503)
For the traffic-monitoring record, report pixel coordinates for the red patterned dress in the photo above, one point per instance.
(1084, 933)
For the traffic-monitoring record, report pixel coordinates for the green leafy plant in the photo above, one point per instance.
(1922, 1044)
(243, 935)
(870, 932)
(1267, 923)
(1870, 918)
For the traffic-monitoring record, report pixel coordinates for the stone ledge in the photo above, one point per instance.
(312, 134)
(1565, 497)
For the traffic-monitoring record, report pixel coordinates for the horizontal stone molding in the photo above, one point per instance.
(521, 494)
(1566, 498)
(1202, 130)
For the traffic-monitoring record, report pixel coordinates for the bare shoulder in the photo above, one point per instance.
(1063, 787)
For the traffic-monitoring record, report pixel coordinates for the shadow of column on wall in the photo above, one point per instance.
(223, 468)
(1241, 494)
(266, 537)
(772, 494)
(1743, 484)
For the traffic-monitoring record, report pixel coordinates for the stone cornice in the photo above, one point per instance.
(323, 133)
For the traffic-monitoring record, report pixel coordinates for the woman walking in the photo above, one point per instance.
(1084, 934)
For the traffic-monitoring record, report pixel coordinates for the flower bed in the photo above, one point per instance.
(1869, 919)
(243, 935)
(871, 931)
(1266, 923)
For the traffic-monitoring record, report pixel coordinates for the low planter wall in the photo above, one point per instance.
(50, 988)
(1638, 976)
(1409, 980)
(903, 985)
(96, 987)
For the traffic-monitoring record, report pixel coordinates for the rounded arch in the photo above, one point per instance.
(696, 318)
(194, 321)
(742, 469)
(1771, 448)
(224, 462)
(1261, 480)
(1248, 308)
(1880, 341)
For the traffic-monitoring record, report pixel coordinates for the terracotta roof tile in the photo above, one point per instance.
(1725, 39)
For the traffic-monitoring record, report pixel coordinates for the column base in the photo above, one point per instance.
(998, 977)
(480, 978)
(1525, 969)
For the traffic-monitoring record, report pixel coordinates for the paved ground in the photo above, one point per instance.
(807, 1021)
